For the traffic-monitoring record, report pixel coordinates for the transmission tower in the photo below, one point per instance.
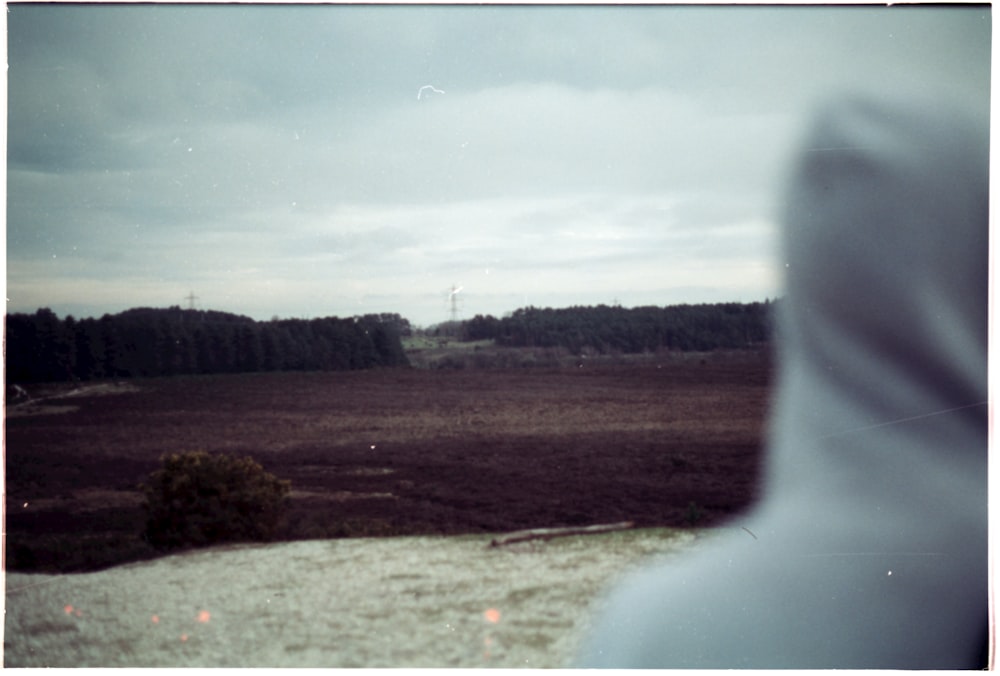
(453, 302)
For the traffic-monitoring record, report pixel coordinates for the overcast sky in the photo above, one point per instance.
(308, 161)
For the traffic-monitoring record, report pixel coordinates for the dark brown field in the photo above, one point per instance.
(660, 442)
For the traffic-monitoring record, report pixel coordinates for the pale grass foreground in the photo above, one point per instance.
(389, 602)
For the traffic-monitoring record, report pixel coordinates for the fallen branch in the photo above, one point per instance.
(549, 533)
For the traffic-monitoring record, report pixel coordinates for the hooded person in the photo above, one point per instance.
(869, 547)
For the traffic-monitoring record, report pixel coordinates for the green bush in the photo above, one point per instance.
(197, 499)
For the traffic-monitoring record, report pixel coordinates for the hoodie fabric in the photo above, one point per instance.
(869, 549)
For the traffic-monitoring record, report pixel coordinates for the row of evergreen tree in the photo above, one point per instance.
(609, 329)
(164, 342)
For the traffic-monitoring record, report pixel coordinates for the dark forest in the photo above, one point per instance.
(614, 329)
(148, 342)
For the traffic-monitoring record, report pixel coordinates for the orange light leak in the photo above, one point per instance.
(184, 638)
(492, 615)
(68, 609)
(204, 616)
(156, 619)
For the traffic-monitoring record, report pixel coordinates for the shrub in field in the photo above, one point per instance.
(197, 498)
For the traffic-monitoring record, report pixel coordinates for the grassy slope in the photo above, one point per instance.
(396, 602)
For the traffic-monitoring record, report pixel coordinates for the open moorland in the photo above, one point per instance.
(669, 440)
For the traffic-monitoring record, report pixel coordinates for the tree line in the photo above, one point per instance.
(608, 329)
(146, 342)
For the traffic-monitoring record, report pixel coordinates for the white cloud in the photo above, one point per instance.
(278, 161)
(357, 258)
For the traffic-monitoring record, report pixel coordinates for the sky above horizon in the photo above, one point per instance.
(311, 161)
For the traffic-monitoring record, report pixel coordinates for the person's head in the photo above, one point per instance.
(885, 254)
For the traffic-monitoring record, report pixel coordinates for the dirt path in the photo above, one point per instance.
(384, 602)
(20, 402)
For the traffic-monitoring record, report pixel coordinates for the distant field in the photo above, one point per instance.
(412, 343)
(427, 352)
(662, 441)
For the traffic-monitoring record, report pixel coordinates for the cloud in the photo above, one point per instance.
(277, 159)
(343, 259)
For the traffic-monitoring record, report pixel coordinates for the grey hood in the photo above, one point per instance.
(869, 547)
